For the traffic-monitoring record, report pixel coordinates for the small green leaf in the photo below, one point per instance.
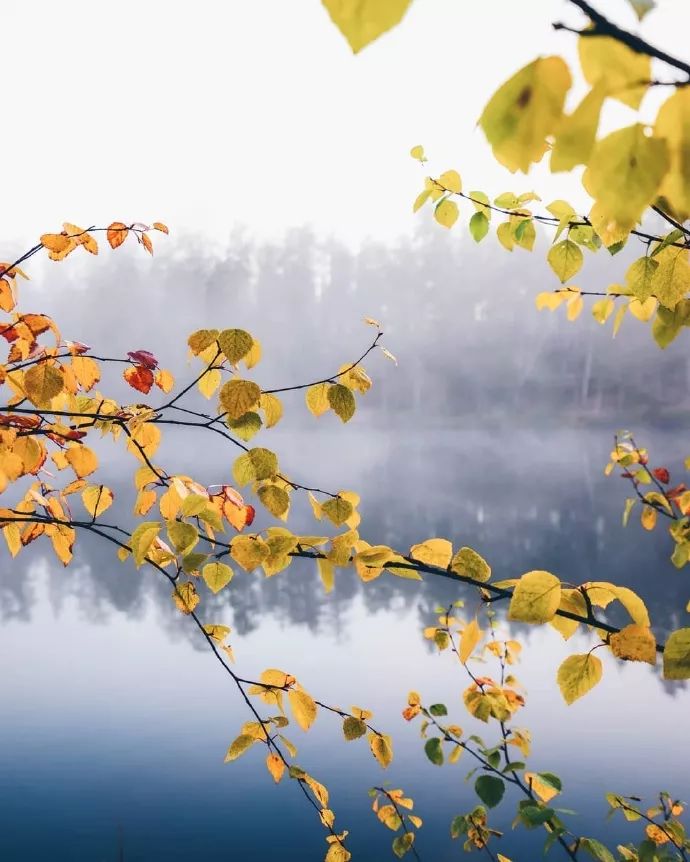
(434, 751)
(489, 789)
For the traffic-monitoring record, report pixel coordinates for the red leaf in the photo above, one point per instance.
(662, 474)
(143, 357)
(140, 378)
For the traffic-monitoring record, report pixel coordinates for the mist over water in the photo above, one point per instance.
(493, 431)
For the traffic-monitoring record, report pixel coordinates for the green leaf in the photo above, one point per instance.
(596, 849)
(264, 462)
(438, 709)
(434, 751)
(489, 789)
(246, 426)
(479, 226)
(275, 499)
(342, 401)
(183, 536)
(565, 259)
(353, 728)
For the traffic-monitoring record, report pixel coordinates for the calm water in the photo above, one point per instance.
(114, 719)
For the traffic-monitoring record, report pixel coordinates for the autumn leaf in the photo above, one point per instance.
(139, 377)
(116, 233)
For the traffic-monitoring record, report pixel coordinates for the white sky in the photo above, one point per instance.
(213, 114)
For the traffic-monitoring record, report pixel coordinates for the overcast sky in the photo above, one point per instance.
(211, 114)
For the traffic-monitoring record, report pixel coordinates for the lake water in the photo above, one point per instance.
(115, 720)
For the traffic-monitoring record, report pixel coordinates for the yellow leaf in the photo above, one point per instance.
(183, 536)
(565, 259)
(634, 643)
(574, 307)
(446, 213)
(142, 538)
(210, 382)
(272, 407)
(648, 517)
(96, 499)
(417, 152)
(238, 397)
(623, 176)
(525, 111)
(326, 573)
(543, 790)
(362, 21)
(470, 637)
(239, 746)
(615, 68)
(577, 132)
(671, 280)
(317, 398)
(303, 708)
(146, 437)
(337, 510)
(216, 575)
(275, 766)
(536, 598)
(13, 539)
(235, 344)
(602, 309)
(86, 370)
(677, 655)
(185, 597)
(633, 605)
(433, 552)
(249, 552)
(43, 382)
(639, 275)
(469, 564)
(450, 180)
(673, 125)
(381, 747)
(572, 601)
(643, 311)
(81, 459)
(551, 299)
(164, 380)
(577, 675)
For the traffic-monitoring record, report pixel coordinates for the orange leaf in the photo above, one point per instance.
(58, 245)
(7, 301)
(139, 378)
(146, 242)
(81, 237)
(158, 225)
(164, 380)
(117, 233)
